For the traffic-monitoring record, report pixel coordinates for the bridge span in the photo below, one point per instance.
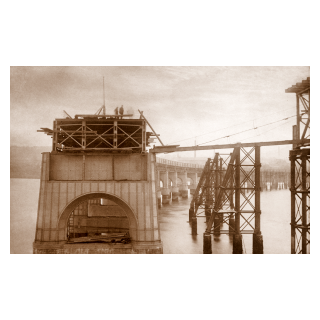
(176, 178)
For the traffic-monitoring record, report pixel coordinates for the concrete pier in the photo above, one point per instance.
(159, 198)
(175, 193)
(174, 188)
(194, 177)
(257, 244)
(178, 173)
(194, 226)
(184, 191)
(69, 183)
(237, 244)
(191, 213)
(166, 195)
(207, 245)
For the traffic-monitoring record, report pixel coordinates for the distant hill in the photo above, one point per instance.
(25, 162)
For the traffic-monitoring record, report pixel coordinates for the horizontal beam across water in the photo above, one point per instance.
(229, 146)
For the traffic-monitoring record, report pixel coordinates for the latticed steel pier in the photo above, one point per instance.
(300, 171)
(228, 194)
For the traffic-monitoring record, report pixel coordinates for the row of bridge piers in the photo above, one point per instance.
(274, 180)
(174, 184)
(175, 179)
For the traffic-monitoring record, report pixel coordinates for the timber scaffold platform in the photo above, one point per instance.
(95, 133)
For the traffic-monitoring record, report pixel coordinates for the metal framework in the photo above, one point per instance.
(300, 171)
(300, 200)
(228, 193)
(96, 133)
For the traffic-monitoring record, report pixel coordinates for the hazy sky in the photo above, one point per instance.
(179, 102)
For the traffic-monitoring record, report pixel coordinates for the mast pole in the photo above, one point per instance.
(104, 101)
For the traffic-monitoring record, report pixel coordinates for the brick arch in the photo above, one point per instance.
(63, 220)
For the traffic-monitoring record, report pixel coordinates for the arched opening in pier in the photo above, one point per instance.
(190, 182)
(98, 217)
(161, 184)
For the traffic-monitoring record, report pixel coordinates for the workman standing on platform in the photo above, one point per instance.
(121, 111)
(116, 112)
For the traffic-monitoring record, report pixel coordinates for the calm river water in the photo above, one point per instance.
(175, 230)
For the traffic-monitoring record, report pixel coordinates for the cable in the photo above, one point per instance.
(231, 126)
(247, 130)
(257, 135)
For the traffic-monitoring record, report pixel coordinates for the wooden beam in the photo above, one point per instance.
(228, 146)
(74, 131)
(100, 116)
(68, 115)
(141, 114)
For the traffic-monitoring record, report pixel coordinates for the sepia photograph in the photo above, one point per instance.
(158, 160)
(171, 160)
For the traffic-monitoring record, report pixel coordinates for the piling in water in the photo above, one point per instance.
(237, 244)
(191, 213)
(207, 247)
(257, 243)
(194, 226)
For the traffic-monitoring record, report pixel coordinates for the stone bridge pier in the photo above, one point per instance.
(172, 179)
(165, 190)
(194, 177)
(82, 195)
(174, 188)
(184, 190)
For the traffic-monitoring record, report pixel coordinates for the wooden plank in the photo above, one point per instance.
(71, 131)
(229, 146)
(99, 116)
(171, 146)
(46, 129)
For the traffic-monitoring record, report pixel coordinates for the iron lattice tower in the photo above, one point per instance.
(300, 171)
(228, 194)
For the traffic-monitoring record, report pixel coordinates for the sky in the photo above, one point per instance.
(183, 104)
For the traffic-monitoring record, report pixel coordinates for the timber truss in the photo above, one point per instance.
(228, 193)
(99, 134)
